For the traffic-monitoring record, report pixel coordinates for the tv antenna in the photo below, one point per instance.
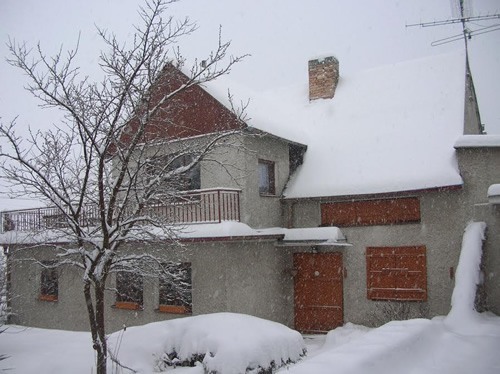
(464, 17)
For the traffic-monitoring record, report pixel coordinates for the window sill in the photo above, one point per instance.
(173, 309)
(127, 305)
(51, 298)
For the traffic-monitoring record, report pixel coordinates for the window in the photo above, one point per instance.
(371, 212)
(185, 181)
(396, 273)
(189, 180)
(266, 177)
(129, 290)
(49, 285)
(175, 288)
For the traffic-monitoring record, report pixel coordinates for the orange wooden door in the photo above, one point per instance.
(318, 292)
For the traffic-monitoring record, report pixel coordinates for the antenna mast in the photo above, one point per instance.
(465, 35)
(464, 20)
(464, 30)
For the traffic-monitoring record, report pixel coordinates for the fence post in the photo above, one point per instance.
(219, 204)
(238, 193)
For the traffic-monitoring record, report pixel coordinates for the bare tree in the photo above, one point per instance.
(103, 157)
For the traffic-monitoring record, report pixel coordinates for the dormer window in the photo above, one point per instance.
(266, 177)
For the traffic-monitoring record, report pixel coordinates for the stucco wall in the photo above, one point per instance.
(234, 164)
(437, 232)
(480, 168)
(264, 211)
(444, 216)
(243, 277)
(256, 278)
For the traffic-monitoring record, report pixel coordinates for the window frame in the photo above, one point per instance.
(49, 281)
(129, 290)
(166, 290)
(270, 189)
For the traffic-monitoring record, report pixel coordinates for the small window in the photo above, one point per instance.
(129, 290)
(266, 178)
(49, 285)
(396, 273)
(175, 288)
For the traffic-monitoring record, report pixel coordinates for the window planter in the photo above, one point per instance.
(128, 305)
(52, 298)
(174, 309)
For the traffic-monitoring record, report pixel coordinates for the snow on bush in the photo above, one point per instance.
(224, 343)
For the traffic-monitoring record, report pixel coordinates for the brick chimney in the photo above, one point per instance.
(323, 78)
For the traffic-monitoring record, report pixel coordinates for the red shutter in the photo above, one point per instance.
(396, 273)
(371, 212)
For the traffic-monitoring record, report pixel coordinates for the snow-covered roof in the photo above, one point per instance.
(478, 141)
(227, 230)
(236, 230)
(224, 231)
(317, 236)
(387, 129)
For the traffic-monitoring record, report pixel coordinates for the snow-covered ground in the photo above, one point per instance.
(461, 343)
(415, 346)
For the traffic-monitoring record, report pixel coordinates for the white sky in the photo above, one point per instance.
(280, 35)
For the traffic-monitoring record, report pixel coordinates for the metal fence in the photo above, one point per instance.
(209, 205)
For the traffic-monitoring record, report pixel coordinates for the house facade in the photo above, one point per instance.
(345, 206)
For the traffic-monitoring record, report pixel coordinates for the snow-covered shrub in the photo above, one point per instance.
(228, 343)
(221, 343)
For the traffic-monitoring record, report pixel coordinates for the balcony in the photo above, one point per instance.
(200, 206)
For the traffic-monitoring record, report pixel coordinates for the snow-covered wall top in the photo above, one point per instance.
(478, 141)
(467, 279)
(494, 190)
(387, 129)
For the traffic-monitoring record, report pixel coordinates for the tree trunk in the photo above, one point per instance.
(102, 351)
(96, 320)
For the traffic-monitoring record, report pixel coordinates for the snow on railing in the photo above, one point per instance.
(207, 205)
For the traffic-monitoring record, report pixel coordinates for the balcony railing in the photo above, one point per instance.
(200, 206)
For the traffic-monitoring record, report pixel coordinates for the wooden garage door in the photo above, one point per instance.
(318, 292)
